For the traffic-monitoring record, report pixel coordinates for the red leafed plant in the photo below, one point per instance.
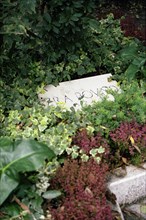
(131, 28)
(88, 142)
(130, 138)
(83, 186)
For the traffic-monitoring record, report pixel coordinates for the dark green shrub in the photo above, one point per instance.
(122, 56)
(40, 31)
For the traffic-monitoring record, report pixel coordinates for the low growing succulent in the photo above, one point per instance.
(130, 139)
(83, 191)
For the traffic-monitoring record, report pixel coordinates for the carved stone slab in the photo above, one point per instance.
(72, 92)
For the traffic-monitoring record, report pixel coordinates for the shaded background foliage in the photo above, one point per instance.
(40, 31)
(37, 35)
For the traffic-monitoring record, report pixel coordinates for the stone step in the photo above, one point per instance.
(131, 187)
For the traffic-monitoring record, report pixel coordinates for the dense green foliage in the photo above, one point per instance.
(116, 54)
(59, 40)
(56, 125)
(40, 31)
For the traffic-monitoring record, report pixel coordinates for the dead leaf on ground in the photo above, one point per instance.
(131, 139)
(133, 144)
(137, 148)
(124, 159)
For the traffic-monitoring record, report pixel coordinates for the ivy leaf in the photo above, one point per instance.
(131, 71)
(101, 150)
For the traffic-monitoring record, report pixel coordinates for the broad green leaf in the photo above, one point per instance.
(130, 51)
(139, 61)
(52, 194)
(131, 71)
(11, 209)
(8, 182)
(134, 67)
(76, 16)
(19, 156)
(94, 25)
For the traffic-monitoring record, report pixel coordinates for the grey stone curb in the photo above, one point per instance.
(130, 188)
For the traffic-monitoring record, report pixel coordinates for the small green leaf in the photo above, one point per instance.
(81, 70)
(84, 157)
(94, 25)
(93, 152)
(100, 150)
(75, 155)
(97, 159)
(56, 30)
(52, 194)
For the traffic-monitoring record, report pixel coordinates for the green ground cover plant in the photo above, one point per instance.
(56, 125)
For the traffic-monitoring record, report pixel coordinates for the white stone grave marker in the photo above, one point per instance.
(72, 92)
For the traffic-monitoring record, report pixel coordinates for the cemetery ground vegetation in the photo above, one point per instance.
(44, 42)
